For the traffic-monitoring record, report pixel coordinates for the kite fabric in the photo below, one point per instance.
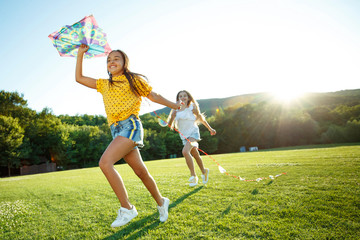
(68, 39)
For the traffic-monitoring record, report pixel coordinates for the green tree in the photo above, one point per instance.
(11, 137)
(155, 147)
(173, 143)
(347, 113)
(45, 137)
(14, 105)
(353, 131)
(85, 145)
(81, 120)
(10, 101)
(208, 143)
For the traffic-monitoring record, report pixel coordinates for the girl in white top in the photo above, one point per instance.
(186, 120)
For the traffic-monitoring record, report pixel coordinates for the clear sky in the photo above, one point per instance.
(212, 48)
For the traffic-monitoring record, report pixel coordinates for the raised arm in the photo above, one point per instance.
(157, 98)
(79, 77)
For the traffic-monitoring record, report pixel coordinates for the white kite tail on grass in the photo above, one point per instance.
(261, 178)
(221, 169)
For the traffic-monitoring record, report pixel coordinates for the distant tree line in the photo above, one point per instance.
(271, 125)
(28, 137)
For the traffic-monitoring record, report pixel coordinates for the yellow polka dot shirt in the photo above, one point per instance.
(120, 102)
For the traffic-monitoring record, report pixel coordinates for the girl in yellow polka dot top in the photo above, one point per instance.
(122, 94)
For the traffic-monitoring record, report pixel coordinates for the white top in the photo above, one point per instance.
(186, 121)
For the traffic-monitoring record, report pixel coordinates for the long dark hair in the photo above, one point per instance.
(135, 85)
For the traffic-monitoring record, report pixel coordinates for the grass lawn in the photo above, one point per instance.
(318, 198)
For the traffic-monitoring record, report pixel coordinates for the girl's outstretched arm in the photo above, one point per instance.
(79, 77)
(202, 119)
(207, 125)
(157, 98)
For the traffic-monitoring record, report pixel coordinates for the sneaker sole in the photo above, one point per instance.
(119, 225)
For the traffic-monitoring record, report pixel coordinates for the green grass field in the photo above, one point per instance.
(318, 198)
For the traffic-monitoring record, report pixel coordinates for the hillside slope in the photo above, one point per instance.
(209, 106)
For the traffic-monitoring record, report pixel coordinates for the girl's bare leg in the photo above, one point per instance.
(134, 160)
(116, 150)
(189, 161)
(195, 153)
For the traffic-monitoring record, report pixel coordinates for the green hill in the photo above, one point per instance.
(308, 100)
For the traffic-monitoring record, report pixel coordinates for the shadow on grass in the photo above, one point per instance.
(226, 211)
(256, 191)
(142, 226)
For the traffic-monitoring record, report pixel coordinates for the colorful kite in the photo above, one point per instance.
(68, 39)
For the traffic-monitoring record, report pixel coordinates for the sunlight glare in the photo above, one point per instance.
(286, 95)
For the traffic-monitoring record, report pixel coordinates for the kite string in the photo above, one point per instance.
(221, 169)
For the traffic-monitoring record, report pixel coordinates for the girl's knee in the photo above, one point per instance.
(185, 152)
(104, 165)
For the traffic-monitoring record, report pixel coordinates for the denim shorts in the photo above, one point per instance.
(130, 128)
(195, 134)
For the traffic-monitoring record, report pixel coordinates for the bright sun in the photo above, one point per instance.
(286, 95)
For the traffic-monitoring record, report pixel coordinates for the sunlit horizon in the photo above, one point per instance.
(287, 96)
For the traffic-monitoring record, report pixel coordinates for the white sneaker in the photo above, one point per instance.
(193, 181)
(205, 178)
(164, 210)
(124, 216)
